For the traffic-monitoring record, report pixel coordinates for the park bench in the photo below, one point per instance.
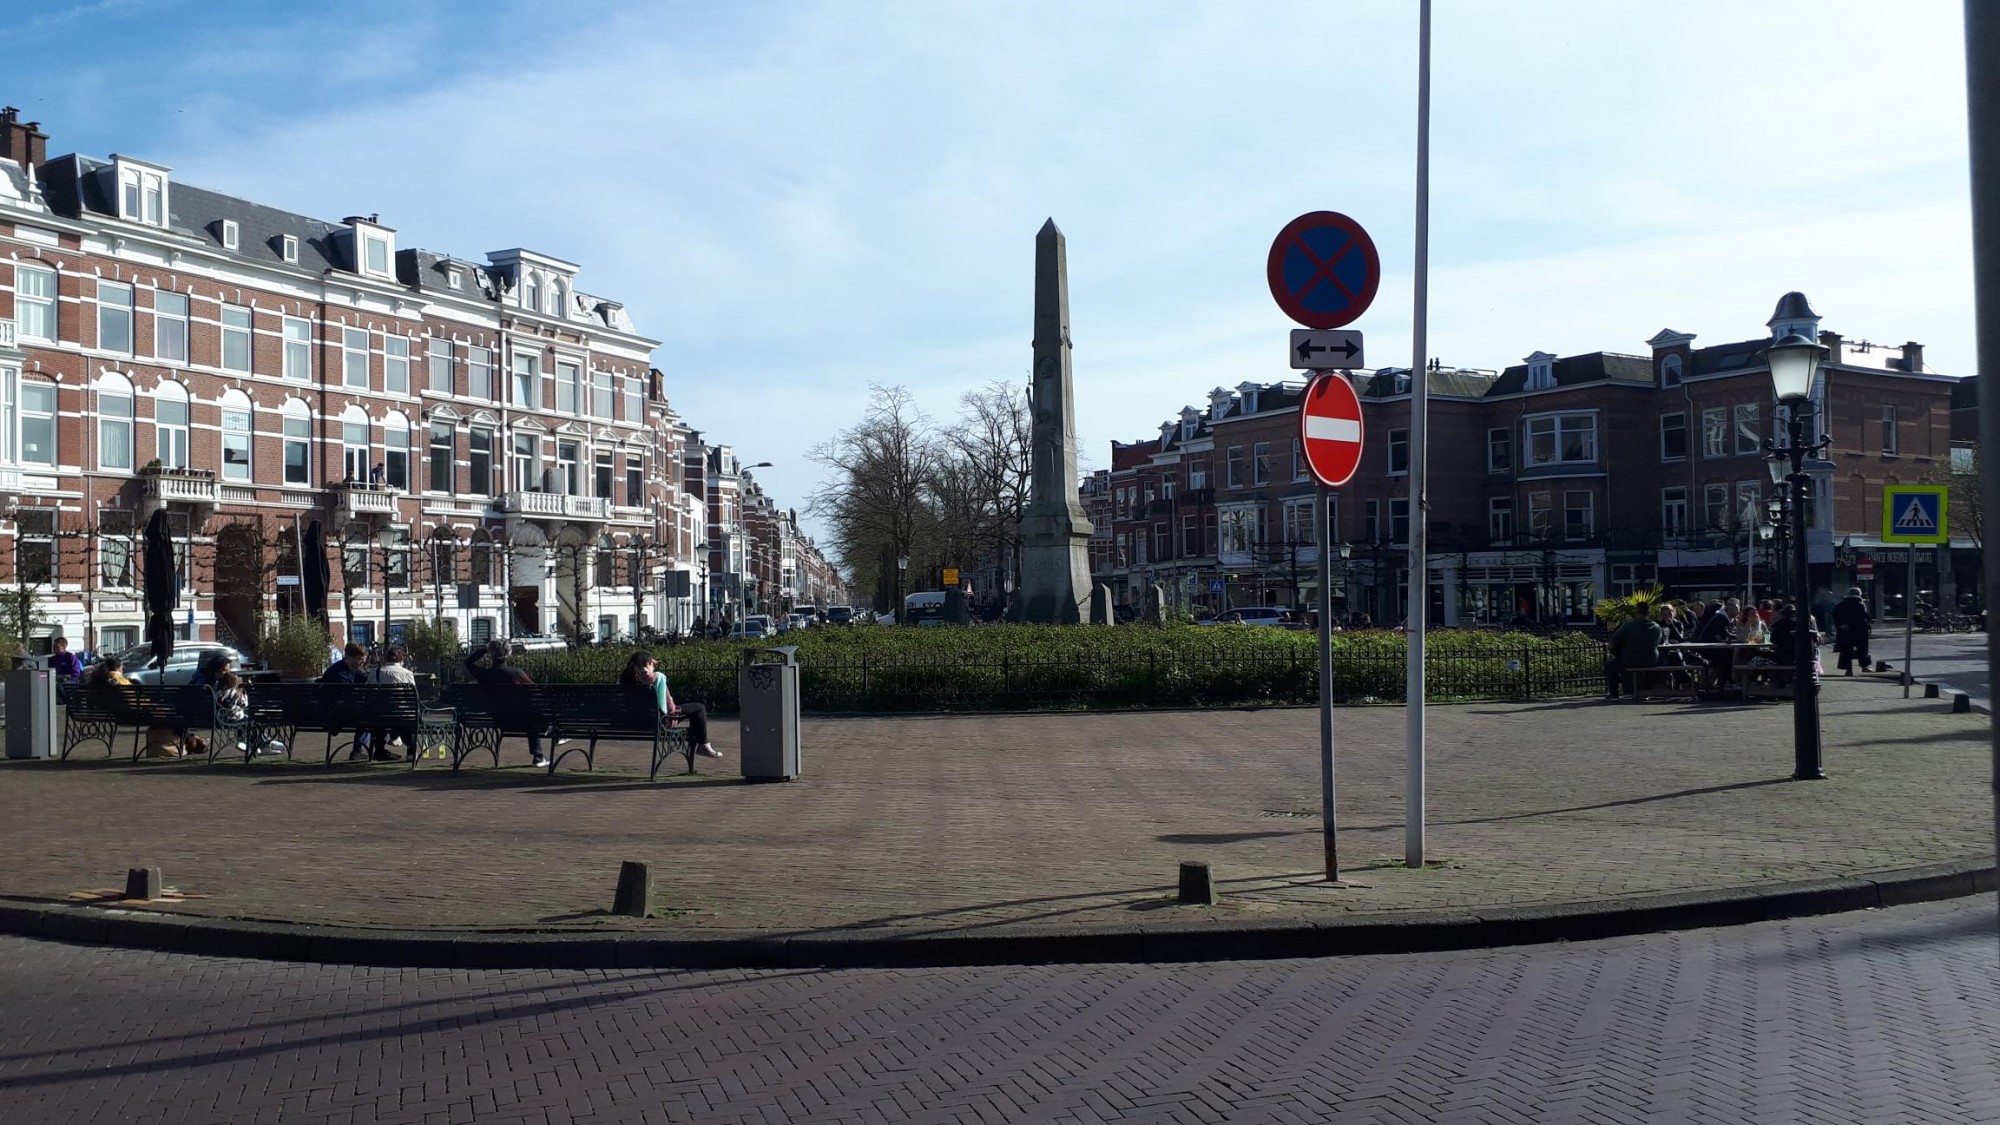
(489, 713)
(280, 711)
(1666, 681)
(1765, 681)
(94, 714)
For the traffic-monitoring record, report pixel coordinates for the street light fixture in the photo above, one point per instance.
(387, 535)
(1794, 362)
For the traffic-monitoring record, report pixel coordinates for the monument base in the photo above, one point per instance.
(1055, 582)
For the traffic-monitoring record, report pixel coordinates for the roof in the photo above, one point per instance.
(1578, 370)
(1449, 382)
(1729, 357)
(1792, 306)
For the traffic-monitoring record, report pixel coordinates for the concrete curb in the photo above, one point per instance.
(1019, 945)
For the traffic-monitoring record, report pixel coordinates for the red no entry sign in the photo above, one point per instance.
(1330, 428)
(1323, 269)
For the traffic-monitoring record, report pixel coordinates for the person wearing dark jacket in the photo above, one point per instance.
(351, 668)
(1635, 644)
(1714, 627)
(1850, 631)
(489, 667)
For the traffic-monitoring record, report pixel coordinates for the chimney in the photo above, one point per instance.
(1913, 357)
(22, 142)
(1831, 341)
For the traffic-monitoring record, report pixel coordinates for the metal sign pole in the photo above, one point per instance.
(1420, 586)
(1323, 519)
(1909, 617)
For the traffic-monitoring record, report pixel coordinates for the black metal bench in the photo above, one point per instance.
(489, 713)
(94, 714)
(281, 711)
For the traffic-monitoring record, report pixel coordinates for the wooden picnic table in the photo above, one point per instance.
(1718, 656)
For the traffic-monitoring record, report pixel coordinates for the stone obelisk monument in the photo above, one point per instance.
(1055, 536)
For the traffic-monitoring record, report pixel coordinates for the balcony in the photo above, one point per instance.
(364, 504)
(554, 506)
(194, 489)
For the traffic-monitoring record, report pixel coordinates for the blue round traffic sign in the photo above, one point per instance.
(1324, 269)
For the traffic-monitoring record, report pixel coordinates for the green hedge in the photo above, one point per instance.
(1026, 667)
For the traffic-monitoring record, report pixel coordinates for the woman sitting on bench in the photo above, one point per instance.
(640, 675)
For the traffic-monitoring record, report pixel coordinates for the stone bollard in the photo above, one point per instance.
(143, 883)
(1197, 884)
(635, 890)
(1930, 691)
(1961, 703)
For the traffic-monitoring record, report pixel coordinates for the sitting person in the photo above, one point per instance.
(1750, 628)
(489, 667)
(393, 671)
(1635, 644)
(351, 668)
(63, 662)
(641, 675)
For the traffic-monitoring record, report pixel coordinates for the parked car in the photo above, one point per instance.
(180, 666)
(755, 625)
(537, 642)
(839, 615)
(1266, 615)
(800, 621)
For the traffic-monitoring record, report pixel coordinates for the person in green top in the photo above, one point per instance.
(1635, 644)
(640, 675)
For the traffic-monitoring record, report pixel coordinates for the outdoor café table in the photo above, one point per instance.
(1719, 657)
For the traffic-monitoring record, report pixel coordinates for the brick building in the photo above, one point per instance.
(478, 438)
(1552, 482)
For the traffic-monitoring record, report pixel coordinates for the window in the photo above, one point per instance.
(289, 248)
(1715, 431)
(438, 354)
(601, 395)
(1890, 444)
(604, 476)
(298, 348)
(1670, 371)
(114, 317)
(1198, 473)
(144, 197)
(1715, 507)
(298, 444)
(479, 458)
(479, 373)
(354, 357)
(1235, 471)
(479, 565)
(527, 381)
(1673, 437)
(1673, 512)
(1500, 519)
(230, 236)
(396, 452)
(1562, 439)
(1298, 461)
(1541, 512)
(38, 424)
(1749, 433)
(569, 388)
(235, 339)
(354, 567)
(635, 399)
(1749, 505)
(1238, 530)
(170, 326)
(1372, 521)
(443, 455)
(558, 298)
(1399, 521)
(377, 254)
(1299, 529)
(527, 462)
(396, 364)
(635, 482)
(567, 470)
(396, 563)
(531, 294)
(1260, 465)
(114, 553)
(354, 449)
(114, 423)
(34, 303)
(236, 436)
(1499, 451)
(170, 425)
(482, 627)
(1399, 451)
(1579, 515)
(35, 545)
(1812, 501)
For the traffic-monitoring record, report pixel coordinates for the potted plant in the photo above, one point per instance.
(430, 642)
(296, 646)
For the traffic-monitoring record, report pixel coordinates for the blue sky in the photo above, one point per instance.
(803, 197)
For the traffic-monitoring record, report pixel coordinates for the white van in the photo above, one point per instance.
(926, 608)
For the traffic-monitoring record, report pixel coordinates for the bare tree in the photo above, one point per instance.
(990, 471)
(879, 498)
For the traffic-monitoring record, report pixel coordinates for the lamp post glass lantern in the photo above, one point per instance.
(1794, 362)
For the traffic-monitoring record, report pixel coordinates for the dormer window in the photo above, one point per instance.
(375, 254)
(370, 246)
(1541, 371)
(531, 294)
(142, 191)
(288, 248)
(454, 278)
(558, 299)
(229, 234)
(1670, 371)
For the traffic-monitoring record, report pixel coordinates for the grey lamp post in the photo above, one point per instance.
(386, 536)
(1774, 518)
(1794, 361)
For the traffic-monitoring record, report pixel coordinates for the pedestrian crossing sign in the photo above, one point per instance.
(1915, 513)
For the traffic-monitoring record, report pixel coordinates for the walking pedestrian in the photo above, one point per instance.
(642, 674)
(1850, 631)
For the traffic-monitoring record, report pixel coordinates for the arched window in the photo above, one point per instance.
(479, 559)
(170, 425)
(607, 562)
(1670, 371)
(236, 435)
(531, 294)
(298, 443)
(559, 299)
(396, 451)
(38, 423)
(354, 445)
(114, 421)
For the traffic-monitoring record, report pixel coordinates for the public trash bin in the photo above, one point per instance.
(33, 719)
(767, 694)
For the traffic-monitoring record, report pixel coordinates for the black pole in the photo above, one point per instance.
(1982, 82)
(1805, 690)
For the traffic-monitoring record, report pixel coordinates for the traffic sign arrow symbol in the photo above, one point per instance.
(1325, 348)
(1347, 350)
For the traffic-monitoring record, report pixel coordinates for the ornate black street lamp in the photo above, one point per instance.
(1794, 362)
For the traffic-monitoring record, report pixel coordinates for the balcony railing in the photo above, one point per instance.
(6, 334)
(359, 503)
(181, 486)
(554, 505)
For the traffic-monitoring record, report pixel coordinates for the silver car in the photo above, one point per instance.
(180, 666)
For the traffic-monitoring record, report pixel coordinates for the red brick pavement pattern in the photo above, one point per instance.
(1886, 1017)
(958, 823)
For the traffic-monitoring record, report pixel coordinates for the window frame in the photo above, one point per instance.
(395, 358)
(480, 477)
(1260, 464)
(243, 439)
(442, 458)
(242, 335)
(297, 333)
(569, 387)
(1500, 440)
(1892, 438)
(1559, 433)
(1571, 508)
(524, 382)
(172, 453)
(170, 326)
(353, 359)
(48, 304)
(1665, 429)
(288, 248)
(1397, 440)
(1500, 520)
(295, 434)
(1674, 498)
(1747, 423)
(396, 452)
(357, 447)
(439, 357)
(1714, 432)
(603, 396)
(42, 417)
(121, 417)
(113, 312)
